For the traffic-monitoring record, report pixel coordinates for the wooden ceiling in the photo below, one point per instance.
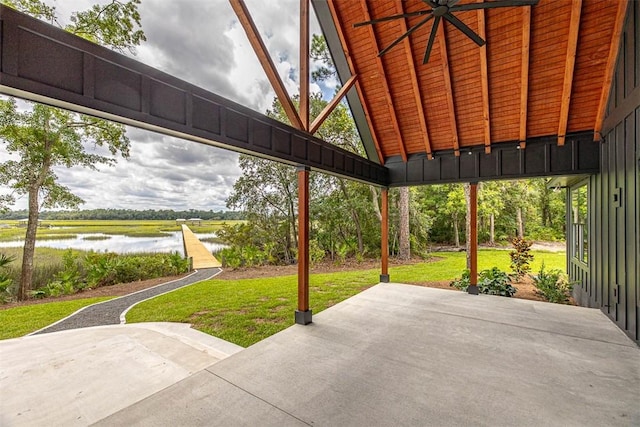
(545, 70)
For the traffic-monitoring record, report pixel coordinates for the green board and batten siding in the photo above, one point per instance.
(610, 280)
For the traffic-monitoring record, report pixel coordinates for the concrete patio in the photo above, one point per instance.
(394, 355)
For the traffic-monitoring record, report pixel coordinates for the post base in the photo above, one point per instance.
(473, 289)
(303, 317)
(384, 278)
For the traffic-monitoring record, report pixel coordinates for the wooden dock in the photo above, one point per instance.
(194, 249)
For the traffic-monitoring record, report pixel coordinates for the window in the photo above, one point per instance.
(579, 225)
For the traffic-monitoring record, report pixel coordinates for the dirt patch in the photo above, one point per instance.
(324, 267)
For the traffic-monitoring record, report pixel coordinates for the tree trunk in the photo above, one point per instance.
(28, 251)
(467, 233)
(404, 251)
(376, 205)
(520, 224)
(456, 231)
(492, 230)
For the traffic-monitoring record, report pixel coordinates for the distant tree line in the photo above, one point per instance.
(127, 214)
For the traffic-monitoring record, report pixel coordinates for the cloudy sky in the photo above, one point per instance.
(202, 42)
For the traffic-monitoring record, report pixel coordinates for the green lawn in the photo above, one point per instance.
(247, 311)
(19, 321)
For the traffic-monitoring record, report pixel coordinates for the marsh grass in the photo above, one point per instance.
(211, 240)
(140, 233)
(58, 237)
(47, 263)
(134, 228)
(96, 238)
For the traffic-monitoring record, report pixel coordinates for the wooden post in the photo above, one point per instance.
(384, 232)
(303, 313)
(473, 201)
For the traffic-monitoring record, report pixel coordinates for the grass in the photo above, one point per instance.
(247, 311)
(452, 264)
(19, 321)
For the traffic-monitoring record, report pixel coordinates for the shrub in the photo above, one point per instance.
(69, 277)
(54, 289)
(553, 285)
(520, 257)
(231, 257)
(495, 282)
(6, 281)
(463, 282)
(490, 282)
(178, 263)
(316, 253)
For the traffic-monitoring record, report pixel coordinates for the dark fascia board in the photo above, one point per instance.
(542, 157)
(328, 27)
(43, 63)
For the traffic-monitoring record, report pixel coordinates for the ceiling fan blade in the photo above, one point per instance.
(464, 28)
(432, 36)
(391, 18)
(405, 35)
(493, 4)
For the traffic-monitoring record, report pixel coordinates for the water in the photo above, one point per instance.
(120, 244)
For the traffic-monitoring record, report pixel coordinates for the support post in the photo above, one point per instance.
(473, 247)
(384, 232)
(303, 313)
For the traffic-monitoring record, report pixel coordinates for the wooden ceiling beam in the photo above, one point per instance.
(240, 8)
(330, 106)
(610, 68)
(414, 82)
(304, 64)
(385, 84)
(352, 69)
(524, 74)
(484, 77)
(574, 29)
(446, 72)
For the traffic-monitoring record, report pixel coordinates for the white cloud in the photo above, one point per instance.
(202, 42)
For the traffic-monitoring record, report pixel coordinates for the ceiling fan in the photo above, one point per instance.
(444, 9)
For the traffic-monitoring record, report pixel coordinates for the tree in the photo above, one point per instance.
(491, 204)
(455, 207)
(268, 192)
(45, 137)
(404, 251)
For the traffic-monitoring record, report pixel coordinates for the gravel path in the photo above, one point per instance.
(108, 312)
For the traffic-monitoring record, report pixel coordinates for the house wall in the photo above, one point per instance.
(610, 280)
